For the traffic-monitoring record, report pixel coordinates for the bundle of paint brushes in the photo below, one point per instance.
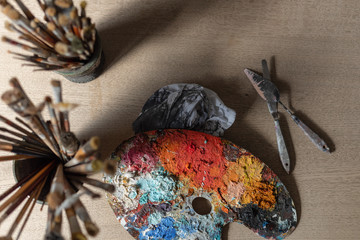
(58, 159)
(66, 39)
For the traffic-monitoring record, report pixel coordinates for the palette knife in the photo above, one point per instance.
(268, 91)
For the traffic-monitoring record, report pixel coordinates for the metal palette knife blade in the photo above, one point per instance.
(266, 89)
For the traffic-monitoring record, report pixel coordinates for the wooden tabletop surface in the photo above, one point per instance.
(314, 51)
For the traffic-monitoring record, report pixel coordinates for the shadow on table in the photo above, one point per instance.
(122, 35)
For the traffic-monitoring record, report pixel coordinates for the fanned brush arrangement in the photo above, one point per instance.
(65, 41)
(60, 164)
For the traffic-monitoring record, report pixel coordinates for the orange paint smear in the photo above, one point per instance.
(196, 157)
(198, 160)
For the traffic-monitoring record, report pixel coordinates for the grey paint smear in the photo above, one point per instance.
(185, 106)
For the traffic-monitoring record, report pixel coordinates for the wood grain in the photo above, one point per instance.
(315, 49)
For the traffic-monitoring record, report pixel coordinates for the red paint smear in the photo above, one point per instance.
(139, 154)
(142, 212)
(194, 156)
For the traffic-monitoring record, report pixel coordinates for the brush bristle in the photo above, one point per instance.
(8, 26)
(73, 13)
(91, 228)
(11, 13)
(95, 143)
(110, 188)
(83, 4)
(14, 15)
(48, 99)
(7, 97)
(55, 83)
(64, 107)
(78, 236)
(110, 167)
(97, 165)
(63, 3)
(63, 20)
(51, 11)
(51, 26)
(61, 48)
(33, 24)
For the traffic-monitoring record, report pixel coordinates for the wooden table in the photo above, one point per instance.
(314, 50)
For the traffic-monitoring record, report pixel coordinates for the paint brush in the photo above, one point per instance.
(34, 195)
(56, 194)
(24, 189)
(83, 12)
(64, 108)
(15, 157)
(70, 211)
(19, 183)
(84, 151)
(93, 182)
(81, 211)
(69, 143)
(87, 167)
(43, 134)
(30, 211)
(21, 136)
(24, 123)
(54, 200)
(75, 229)
(53, 119)
(25, 10)
(4, 146)
(21, 104)
(61, 35)
(110, 166)
(18, 19)
(76, 25)
(84, 216)
(25, 145)
(68, 202)
(56, 86)
(20, 129)
(86, 190)
(39, 140)
(25, 47)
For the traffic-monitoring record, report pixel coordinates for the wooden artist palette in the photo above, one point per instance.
(160, 173)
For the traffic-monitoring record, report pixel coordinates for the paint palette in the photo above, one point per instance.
(162, 173)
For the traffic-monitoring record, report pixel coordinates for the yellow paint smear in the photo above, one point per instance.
(247, 170)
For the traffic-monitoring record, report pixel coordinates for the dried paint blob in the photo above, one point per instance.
(160, 173)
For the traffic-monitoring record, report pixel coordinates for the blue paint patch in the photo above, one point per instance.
(157, 187)
(165, 230)
(186, 228)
